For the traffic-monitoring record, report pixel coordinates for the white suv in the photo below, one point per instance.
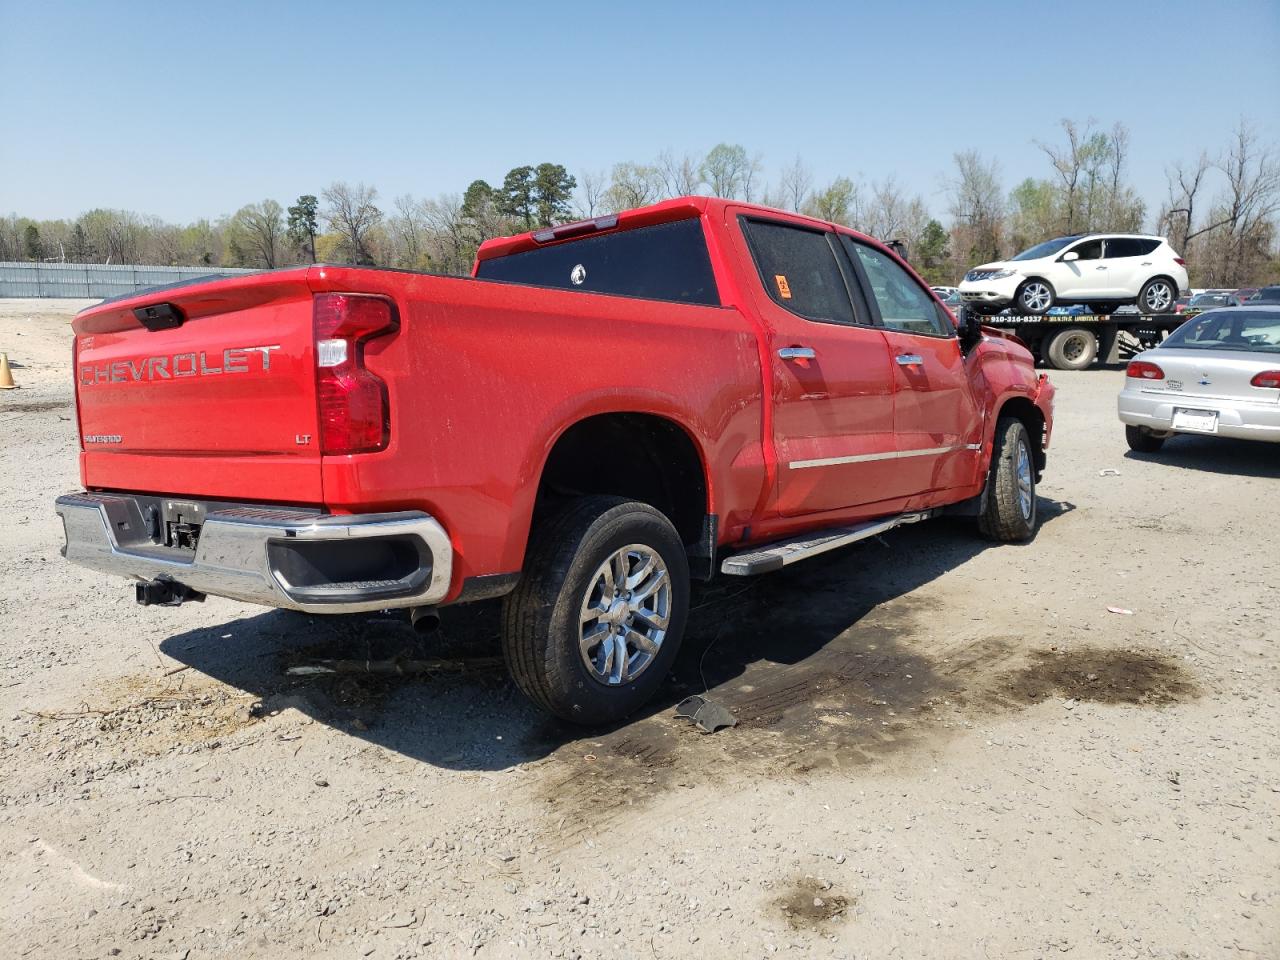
(1102, 270)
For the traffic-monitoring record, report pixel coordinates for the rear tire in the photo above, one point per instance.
(1035, 297)
(1072, 349)
(1010, 514)
(1157, 295)
(1142, 441)
(582, 559)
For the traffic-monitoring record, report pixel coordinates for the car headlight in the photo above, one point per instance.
(1000, 274)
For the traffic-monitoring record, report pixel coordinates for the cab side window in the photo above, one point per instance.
(799, 270)
(904, 304)
(1089, 250)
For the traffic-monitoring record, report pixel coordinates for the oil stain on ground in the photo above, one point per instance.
(1098, 675)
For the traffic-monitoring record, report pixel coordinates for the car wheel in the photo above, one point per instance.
(1157, 296)
(1010, 513)
(1035, 297)
(592, 627)
(1141, 440)
(1072, 349)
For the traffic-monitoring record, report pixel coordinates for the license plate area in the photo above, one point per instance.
(1198, 421)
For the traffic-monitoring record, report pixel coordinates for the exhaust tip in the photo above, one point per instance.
(424, 619)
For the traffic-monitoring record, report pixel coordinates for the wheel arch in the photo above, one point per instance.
(1160, 276)
(1032, 418)
(665, 467)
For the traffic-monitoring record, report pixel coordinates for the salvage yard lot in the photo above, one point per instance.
(945, 748)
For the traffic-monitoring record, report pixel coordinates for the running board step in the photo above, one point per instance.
(775, 556)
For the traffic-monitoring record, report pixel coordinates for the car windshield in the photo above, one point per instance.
(1046, 249)
(1208, 300)
(1240, 328)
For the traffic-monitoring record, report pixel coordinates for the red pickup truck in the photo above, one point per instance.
(603, 412)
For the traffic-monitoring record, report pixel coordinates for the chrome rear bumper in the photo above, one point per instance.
(279, 557)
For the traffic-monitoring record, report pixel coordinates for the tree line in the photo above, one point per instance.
(1220, 211)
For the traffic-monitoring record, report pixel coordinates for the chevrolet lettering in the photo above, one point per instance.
(202, 363)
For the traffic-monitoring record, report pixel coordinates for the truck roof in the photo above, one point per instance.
(677, 208)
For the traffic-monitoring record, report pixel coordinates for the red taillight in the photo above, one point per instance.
(1179, 261)
(354, 414)
(1270, 379)
(1142, 370)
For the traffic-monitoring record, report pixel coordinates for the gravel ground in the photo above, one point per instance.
(945, 749)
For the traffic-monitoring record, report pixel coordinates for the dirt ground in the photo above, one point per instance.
(946, 748)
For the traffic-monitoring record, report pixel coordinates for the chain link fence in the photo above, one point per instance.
(94, 280)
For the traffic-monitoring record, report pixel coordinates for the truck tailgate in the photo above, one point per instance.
(213, 396)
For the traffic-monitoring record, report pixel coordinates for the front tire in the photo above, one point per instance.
(1142, 441)
(1010, 514)
(1157, 296)
(596, 620)
(1035, 297)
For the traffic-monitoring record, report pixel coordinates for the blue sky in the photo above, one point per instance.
(186, 110)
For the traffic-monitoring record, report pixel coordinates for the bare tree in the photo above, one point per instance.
(409, 230)
(589, 198)
(1185, 185)
(1070, 162)
(796, 185)
(255, 233)
(353, 214)
(1247, 209)
(680, 176)
(450, 244)
(977, 206)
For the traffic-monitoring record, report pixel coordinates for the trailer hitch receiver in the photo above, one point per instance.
(166, 593)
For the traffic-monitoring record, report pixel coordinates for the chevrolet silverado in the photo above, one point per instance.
(603, 412)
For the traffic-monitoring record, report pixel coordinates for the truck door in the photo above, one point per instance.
(936, 420)
(831, 389)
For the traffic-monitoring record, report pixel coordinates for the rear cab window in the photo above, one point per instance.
(665, 261)
(798, 268)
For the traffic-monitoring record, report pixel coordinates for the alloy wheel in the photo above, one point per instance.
(1026, 486)
(1159, 296)
(1036, 296)
(625, 615)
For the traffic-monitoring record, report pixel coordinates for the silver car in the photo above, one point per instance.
(1217, 375)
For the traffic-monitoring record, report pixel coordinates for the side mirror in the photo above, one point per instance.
(969, 329)
(1069, 256)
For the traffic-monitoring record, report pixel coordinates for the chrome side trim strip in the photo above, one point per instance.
(889, 455)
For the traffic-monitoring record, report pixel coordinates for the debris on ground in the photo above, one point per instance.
(706, 714)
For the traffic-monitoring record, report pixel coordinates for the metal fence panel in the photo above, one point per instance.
(93, 280)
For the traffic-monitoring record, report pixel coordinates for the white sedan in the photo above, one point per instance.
(1218, 375)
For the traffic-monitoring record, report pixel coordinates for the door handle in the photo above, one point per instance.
(797, 353)
(1099, 268)
(910, 360)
